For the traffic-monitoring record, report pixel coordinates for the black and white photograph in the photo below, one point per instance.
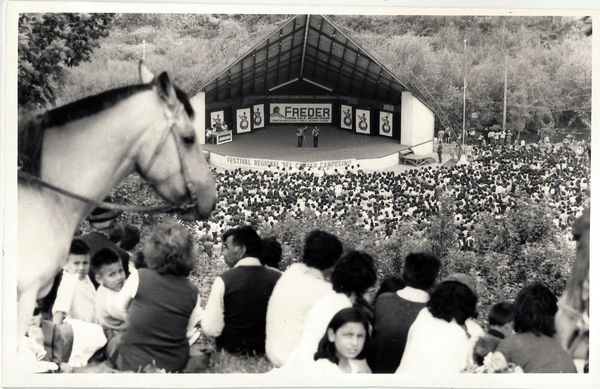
(170, 217)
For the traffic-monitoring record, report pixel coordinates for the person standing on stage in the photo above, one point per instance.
(439, 152)
(315, 134)
(300, 135)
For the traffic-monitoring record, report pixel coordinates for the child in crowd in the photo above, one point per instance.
(162, 303)
(500, 321)
(76, 293)
(110, 275)
(130, 239)
(75, 305)
(534, 347)
(342, 348)
(352, 275)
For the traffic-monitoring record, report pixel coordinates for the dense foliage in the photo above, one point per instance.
(47, 43)
(510, 251)
(548, 60)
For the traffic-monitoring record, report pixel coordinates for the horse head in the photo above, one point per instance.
(170, 158)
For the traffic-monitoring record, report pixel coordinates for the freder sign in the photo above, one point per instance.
(299, 113)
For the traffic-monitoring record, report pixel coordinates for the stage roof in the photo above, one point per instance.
(309, 48)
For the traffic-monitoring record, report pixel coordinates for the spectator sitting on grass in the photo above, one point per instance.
(500, 321)
(299, 287)
(236, 309)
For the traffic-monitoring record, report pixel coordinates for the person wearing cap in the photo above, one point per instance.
(442, 338)
(102, 221)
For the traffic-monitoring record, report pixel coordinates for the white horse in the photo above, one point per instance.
(86, 148)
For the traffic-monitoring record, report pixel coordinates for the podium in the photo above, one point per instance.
(223, 137)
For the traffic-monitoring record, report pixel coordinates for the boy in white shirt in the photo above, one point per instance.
(75, 305)
(109, 273)
(76, 294)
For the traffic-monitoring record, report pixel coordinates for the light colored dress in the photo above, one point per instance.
(435, 346)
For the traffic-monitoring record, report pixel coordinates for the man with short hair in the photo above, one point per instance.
(102, 221)
(236, 309)
(396, 312)
(299, 287)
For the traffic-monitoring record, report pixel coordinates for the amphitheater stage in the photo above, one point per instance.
(277, 146)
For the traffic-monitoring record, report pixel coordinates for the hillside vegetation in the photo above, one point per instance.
(549, 60)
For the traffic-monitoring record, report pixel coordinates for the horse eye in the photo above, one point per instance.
(189, 139)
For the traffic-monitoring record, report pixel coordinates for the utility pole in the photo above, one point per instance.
(505, 74)
(464, 94)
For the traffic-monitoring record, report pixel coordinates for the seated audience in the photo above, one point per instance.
(108, 270)
(299, 287)
(352, 275)
(236, 310)
(395, 312)
(534, 347)
(162, 303)
(103, 224)
(500, 320)
(442, 337)
(343, 347)
(74, 304)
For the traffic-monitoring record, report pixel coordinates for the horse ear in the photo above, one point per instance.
(146, 75)
(165, 89)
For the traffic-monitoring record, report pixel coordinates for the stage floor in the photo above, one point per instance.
(280, 143)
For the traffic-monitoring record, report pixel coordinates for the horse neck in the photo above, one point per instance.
(91, 155)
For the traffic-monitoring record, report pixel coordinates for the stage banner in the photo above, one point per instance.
(346, 117)
(242, 118)
(300, 113)
(258, 116)
(216, 119)
(363, 121)
(274, 164)
(386, 121)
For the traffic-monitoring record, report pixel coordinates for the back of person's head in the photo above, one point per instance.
(247, 237)
(79, 247)
(102, 257)
(326, 348)
(321, 249)
(170, 250)
(453, 300)
(501, 313)
(271, 252)
(420, 270)
(534, 308)
(391, 284)
(354, 272)
(131, 237)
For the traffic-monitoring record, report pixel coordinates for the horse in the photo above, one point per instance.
(572, 319)
(72, 156)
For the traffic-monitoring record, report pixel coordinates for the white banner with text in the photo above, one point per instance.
(300, 113)
(274, 164)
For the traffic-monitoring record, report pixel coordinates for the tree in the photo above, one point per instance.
(47, 43)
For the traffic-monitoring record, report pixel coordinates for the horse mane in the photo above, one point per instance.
(31, 129)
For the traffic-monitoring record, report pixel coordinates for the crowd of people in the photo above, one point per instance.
(136, 308)
(556, 175)
(301, 321)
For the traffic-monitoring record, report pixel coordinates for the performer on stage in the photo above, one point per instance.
(300, 135)
(315, 134)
